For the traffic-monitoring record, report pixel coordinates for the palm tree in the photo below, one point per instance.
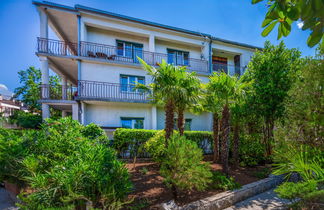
(190, 87)
(165, 89)
(229, 89)
(211, 103)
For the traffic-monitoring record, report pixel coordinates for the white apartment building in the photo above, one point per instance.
(96, 57)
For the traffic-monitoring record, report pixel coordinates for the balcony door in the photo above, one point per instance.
(129, 51)
(237, 64)
(219, 64)
(129, 82)
(177, 57)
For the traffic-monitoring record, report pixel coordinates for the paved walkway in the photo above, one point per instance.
(6, 203)
(267, 200)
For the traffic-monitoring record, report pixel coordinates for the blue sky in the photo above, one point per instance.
(235, 20)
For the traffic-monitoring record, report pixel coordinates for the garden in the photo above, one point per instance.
(268, 120)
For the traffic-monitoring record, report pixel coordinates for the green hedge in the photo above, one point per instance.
(133, 138)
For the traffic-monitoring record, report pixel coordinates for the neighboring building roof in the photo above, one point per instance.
(78, 8)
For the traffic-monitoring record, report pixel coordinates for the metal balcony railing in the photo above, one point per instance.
(56, 47)
(227, 68)
(58, 92)
(110, 91)
(115, 54)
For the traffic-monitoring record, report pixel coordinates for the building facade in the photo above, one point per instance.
(96, 57)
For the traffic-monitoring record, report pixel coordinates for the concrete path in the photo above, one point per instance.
(6, 203)
(266, 200)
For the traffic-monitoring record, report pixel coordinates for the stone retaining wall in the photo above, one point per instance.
(228, 198)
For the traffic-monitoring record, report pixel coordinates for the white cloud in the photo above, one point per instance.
(300, 24)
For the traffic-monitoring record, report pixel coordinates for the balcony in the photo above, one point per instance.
(112, 54)
(93, 90)
(227, 68)
(58, 92)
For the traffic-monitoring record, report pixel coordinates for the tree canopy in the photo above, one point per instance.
(286, 12)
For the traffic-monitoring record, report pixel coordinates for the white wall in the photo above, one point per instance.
(109, 114)
(109, 73)
(162, 46)
(202, 122)
(107, 37)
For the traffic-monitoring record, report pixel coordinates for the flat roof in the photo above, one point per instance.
(78, 8)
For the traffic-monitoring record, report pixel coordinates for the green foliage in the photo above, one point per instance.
(13, 148)
(135, 140)
(26, 119)
(271, 73)
(220, 181)
(251, 150)
(182, 165)
(307, 161)
(305, 104)
(286, 12)
(65, 164)
(156, 146)
(291, 190)
(131, 139)
(29, 92)
(94, 132)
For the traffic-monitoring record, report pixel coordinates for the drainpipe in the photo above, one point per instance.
(210, 66)
(80, 110)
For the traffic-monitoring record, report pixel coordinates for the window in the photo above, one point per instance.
(187, 125)
(219, 64)
(128, 82)
(178, 57)
(129, 50)
(133, 123)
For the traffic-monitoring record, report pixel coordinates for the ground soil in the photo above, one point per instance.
(149, 189)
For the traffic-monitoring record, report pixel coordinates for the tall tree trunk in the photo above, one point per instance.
(236, 141)
(215, 137)
(169, 120)
(269, 136)
(181, 121)
(225, 138)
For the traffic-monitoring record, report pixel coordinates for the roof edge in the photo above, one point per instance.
(124, 17)
(77, 8)
(54, 5)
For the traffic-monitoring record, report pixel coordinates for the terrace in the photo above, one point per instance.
(93, 90)
(108, 53)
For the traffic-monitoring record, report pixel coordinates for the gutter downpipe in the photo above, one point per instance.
(210, 66)
(80, 112)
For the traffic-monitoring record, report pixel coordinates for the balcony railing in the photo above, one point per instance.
(113, 54)
(227, 68)
(56, 47)
(58, 92)
(90, 90)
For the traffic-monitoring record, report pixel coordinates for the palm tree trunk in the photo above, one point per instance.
(236, 140)
(181, 121)
(225, 138)
(215, 137)
(169, 120)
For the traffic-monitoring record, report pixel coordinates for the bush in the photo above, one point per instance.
(26, 119)
(13, 148)
(66, 165)
(291, 190)
(220, 181)
(134, 139)
(94, 132)
(251, 151)
(155, 146)
(182, 165)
